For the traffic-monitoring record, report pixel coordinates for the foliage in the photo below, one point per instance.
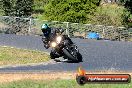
(7, 6)
(17, 7)
(78, 11)
(39, 6)
(24, 7)
(1, 11)
(111, 15)
(123, 1)
(130, 20)
(70, 10)
(128, 5)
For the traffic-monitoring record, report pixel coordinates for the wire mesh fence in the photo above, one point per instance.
(30, 26)
(14, 25)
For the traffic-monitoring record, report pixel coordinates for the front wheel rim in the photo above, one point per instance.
(74, 54)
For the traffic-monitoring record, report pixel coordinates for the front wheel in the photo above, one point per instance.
(77, 57)
(69, 55)
(53, 54)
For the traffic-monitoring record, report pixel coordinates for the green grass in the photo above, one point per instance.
(11, 56)
(58, 84)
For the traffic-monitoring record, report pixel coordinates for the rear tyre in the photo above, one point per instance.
(79, 57)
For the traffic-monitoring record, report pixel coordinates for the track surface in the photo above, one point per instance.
(97, 55)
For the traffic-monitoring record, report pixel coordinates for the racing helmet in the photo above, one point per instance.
(44, 27)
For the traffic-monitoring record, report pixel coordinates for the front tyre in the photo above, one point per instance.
(69, 55)
(52, 56)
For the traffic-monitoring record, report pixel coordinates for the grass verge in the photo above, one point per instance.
(52, 80)
(14, 56)
(58, 83)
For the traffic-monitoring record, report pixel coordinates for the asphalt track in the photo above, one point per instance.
(97, 55)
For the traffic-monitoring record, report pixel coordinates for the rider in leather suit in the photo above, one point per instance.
(49, 33)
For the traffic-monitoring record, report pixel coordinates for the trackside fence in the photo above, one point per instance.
(30, 26)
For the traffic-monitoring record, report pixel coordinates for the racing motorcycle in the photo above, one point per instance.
(62, 46)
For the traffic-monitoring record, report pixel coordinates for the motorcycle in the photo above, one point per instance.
(62, 46)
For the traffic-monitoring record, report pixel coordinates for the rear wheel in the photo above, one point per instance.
(79, 57)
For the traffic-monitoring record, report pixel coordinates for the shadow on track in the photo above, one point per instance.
(70, 61)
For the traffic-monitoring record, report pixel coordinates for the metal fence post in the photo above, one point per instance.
(67, 29)
(103, 34)
(30, 24)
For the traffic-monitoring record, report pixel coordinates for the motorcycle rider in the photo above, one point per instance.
(45, 37)
(48, 33)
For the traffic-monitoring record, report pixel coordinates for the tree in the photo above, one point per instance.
(70, 10)
(128, 5)
(17, 7)
(24, 8)
(39, 6)
(7, 6)
(1, 10)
